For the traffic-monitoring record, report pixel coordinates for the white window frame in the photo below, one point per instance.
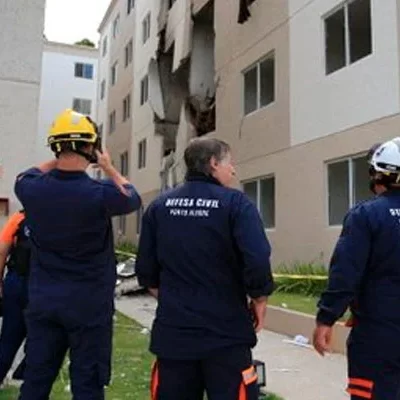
(124, 163)
(114, 73)
(142, 154)
(146, 28)
(84, 67)
(130, 6)
(102, 89)
(350, 160)
(144, 90)
(115, 26)
(112, 127)
(258, 200)
(128, 53)
(80, 100)
(347, 58)
(257, 64)
(104, 46)
(126, 108)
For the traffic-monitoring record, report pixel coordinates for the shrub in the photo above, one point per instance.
(307, 279)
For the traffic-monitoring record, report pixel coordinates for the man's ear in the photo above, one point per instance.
(213, 163)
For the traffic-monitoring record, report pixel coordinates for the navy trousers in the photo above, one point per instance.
(13, 330)
(50, 335)
(372, 374)
(227, 375)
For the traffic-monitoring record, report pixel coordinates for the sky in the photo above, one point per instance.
(72, 20)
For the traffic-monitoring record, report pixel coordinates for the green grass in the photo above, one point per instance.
(297, 302)
(131, 367)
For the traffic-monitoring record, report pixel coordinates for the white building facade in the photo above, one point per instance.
(69, 80)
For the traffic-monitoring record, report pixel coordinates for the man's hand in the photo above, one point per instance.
(104, 160)
(322, 338)
(154, 292)
(258, 309)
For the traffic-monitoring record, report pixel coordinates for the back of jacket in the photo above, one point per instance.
(365, 269)
(69, 217)
(205, 247)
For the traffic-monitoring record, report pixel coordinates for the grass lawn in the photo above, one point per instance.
(131, 367)
(297, 302)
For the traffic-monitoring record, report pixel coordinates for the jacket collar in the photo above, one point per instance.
(200, 177)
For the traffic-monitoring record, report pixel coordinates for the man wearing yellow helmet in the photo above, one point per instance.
(73, 274)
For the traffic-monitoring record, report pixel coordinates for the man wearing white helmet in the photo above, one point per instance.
(365, 276)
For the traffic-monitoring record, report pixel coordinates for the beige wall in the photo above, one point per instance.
(237, 47)
(302, 232)
(120, 141)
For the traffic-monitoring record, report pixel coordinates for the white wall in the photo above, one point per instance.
(59, 88)
(147, 179)
(364, 91)
(103, 72)
(21, 42)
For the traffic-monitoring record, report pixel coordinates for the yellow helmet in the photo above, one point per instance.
(71, 126)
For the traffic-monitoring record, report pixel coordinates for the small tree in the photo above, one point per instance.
(85, 42)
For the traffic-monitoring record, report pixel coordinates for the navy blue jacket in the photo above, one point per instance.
(204, 247)
(365, 269)
(73, 262)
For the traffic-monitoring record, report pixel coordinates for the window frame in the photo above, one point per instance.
(257, 64)
(146, 28)
(80, 100)
(258, 195)
(142, 154)
(347, 43)
(351, 178)
(144, 100)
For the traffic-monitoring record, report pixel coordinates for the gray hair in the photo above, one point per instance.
(199, 153)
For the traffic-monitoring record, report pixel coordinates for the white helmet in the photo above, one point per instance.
(386, 158)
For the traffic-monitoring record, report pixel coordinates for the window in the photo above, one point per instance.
(114, 70)
(112, 122)
(139, 216)
(146, 27)
(83, 106)
(104, 47)
(348, 183)
(130, 4)
(144, 90)
(259, 85)
(262, 193)
(84, 70)
(348, 35)
(142, 154)
(122, 224)
(116, 26)
(128, 53)
(124, 164)
(102, 89)
(126, 108)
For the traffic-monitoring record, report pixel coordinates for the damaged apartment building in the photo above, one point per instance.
(181, 80)
(300, 89)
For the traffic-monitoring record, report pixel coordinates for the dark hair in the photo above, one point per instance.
(199, 153)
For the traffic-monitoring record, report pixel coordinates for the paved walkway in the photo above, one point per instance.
(293, 372)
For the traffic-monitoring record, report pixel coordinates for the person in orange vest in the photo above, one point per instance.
(15, 257)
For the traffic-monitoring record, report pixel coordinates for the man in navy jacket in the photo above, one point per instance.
(73, 274)
(365, 275)
(202, 251)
